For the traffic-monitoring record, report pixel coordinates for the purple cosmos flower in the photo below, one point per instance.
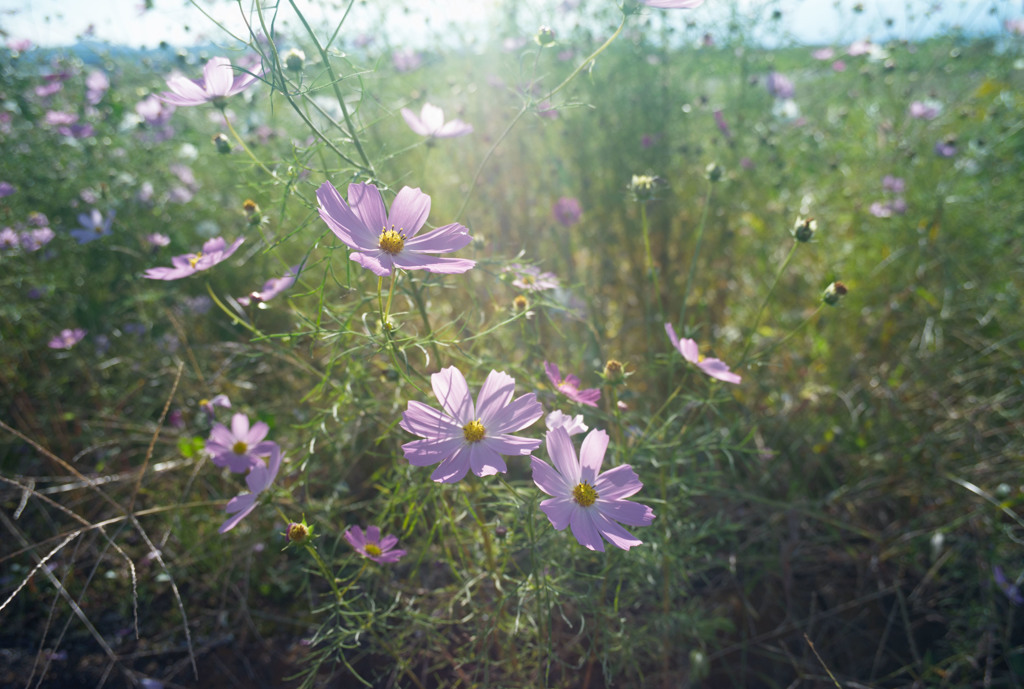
(214, 251)
(6, 189)
(93, 226)
(34, 240)
(464, 435)
(779, 86)
(894, 184)
(430, 122)
(154, 111)
(38, 219)
(406, 60)
(531, 278)
(570, 386)
(155, 239)
(673, 4)
(716, 368)
(823, 54)
(371, 546)
(19, 45)
(219, 81)
(8, 238)
(1015, 26)
(96, 84)
(1012, 591)
(946, 148)
(259, 479)
(546, 110)
(838, 66)
(59, 117)
(573, 425)
(239, 449)
(859, 48)
(209, 405)
(67, 338)
(384, 241)
(47, 90)
(567, 211)
(722, 125)
(272, 287)
(589, 502)
(880, 210)
(925, 110)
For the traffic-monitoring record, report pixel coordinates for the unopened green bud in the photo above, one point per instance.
(545, 36)
(833, 293)
(713, 172)
(222, 143)
(294, 59)
(643, 187)
(804, 229)
(614, 372)
(299, 532)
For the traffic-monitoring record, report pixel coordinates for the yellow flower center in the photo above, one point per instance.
(98, 229)
(527, 279)
(372, 549)
(474, 431)
(392, 241)
(195, 259)
(240, 448)
(584, 494)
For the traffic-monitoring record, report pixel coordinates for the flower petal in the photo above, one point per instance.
(632, 513)
(563, 455)
(367, 205)
(442, 240)
(452, 392)
(375, 263)
(484, 461)
(617, 483)
(241, 506)
(494, 394)
(516, 415)
(716, 368)
(343, 222)
(408, 260)
(409, 211)
(615, 534)
(414, 122)
(511, 444)
(592, 455)
(583, 528)
(559, 511)
(425, 421)
(452, 469)
(549, 480)
(422, 453)
(217, 76)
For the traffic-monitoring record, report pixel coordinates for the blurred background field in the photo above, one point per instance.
(847, 515)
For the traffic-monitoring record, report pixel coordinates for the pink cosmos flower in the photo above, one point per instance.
(716, 368)
(6, 189)
(272, 288)
(34, 240)
(860, 48)
(209, 405)
(823, 54)
(219, 81)
(567, 211)
(155, 239)
(462, 435)
(925, 110)
(570, 386)
(371, 546)
(67, 338)
(214, 251)
(96, 84)
(1015, 26)
(93, 226)
(384, 241)
(591, 503)
(430, 122)
(8, 238)
(406, 60)
(573, 425)
(673, 4)
(259, 479)
(780, 86)
(240, 448)
(531, 278)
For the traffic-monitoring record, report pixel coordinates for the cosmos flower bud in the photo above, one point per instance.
(614, 372)
(299, 532)
(222, 143)
(545, 36)
(294, 59)
(713, 172)
(644, 187)
(804, 229)
(833, 293)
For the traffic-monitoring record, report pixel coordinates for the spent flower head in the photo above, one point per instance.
(463, 435)
(833, 293)
(804, 229)
(593, 504)
(384, 241)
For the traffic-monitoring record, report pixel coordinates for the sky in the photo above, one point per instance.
(810, 22)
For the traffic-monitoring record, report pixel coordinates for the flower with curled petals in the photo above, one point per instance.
(591, 503)
(430, 122)
(383, 241)
(462, 435)
(260, 478)
(240, 447)
(214, 251)
(371, 546)
(570, 386)
(219, 81)
(716, 368)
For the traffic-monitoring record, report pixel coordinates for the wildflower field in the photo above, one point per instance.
(618, 350)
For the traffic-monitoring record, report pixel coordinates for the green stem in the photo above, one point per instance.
(334, 84)
(767, 297)
(693, 261)
(793, 332)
